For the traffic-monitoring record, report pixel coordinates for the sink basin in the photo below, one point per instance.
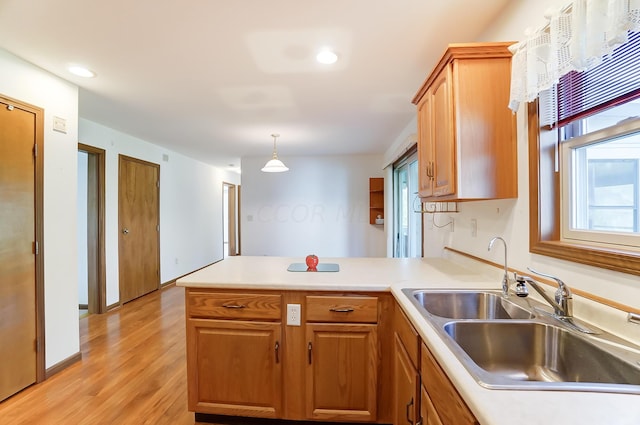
(463, 304)
(534, 355)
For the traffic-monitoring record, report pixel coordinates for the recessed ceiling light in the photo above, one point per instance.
(81, 71)
(327, 57)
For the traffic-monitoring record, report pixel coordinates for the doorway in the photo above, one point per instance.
(91, 242)
(407, 224)
(230, 222)
(139, 224)
(21, 235)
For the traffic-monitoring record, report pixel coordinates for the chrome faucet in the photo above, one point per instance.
(505, 278)
(563, 303)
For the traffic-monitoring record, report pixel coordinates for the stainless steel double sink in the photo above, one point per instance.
(512, 343)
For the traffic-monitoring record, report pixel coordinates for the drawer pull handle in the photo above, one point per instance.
(409, 411)
(309, 349)
(234, 306)
(277, 352)
(341, 309)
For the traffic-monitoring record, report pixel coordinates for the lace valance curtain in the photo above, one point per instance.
(577, 37)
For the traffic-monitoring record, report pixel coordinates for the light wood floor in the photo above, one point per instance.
(133, 371)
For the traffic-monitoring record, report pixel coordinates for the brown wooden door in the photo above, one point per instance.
(342, 372)
(17, 256)
(138, 215)
(405, 387)
(234, 367)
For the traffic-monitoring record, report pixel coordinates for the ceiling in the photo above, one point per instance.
(213, 79)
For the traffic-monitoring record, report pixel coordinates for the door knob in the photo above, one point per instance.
(125, 231)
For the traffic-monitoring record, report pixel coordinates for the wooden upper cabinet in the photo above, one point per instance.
(425, 148)
(443, 167)
(466, 132)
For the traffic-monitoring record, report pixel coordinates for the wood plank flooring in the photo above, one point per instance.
(133, 371)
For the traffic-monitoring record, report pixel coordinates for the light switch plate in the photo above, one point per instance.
(60, 124)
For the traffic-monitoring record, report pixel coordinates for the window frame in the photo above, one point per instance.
(545, 204)
(629, 241)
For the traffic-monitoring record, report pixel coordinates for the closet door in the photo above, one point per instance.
(17, 249)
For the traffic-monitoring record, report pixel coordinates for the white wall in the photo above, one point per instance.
(190, 204)
(510, 218)
(190, 201)
(25, 82)
(320, 206)
(406, 140)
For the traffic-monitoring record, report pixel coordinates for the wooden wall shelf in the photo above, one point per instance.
(376, 199)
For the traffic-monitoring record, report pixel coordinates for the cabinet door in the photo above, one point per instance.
(444, 144)
(406, 385)
(425, 147)
(342, 371)
(234, 367)
(427, 410)
(451, 409)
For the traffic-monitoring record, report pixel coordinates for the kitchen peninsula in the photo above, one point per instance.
(333, 358)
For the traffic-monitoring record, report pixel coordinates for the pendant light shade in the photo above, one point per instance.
(274, 165)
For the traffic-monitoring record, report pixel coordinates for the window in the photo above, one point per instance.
(584, 173)
(600, 181)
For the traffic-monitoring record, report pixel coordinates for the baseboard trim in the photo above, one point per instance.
(173, 281)
(60, 366)
(113, 306)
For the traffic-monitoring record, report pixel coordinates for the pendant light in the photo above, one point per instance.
(274, 165)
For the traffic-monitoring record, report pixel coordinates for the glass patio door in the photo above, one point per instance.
(407, 225)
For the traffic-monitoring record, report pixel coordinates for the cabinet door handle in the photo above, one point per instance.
(309, 349)
(234, 306)
(277, 349)
(408, 411)
(341, 309)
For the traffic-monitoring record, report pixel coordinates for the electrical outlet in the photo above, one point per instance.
(293, 314)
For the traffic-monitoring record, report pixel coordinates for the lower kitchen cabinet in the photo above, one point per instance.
(428, 412)
(234, 367)
(423, 392)
(446, 401)
(234, 359)
(406, 386)
(335, 364)
(342, 371)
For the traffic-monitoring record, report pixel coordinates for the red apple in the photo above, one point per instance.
(312, 263)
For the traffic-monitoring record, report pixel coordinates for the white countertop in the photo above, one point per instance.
(491, 407)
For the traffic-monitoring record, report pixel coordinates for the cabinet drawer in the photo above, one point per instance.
(342, 309)
(234, 306)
